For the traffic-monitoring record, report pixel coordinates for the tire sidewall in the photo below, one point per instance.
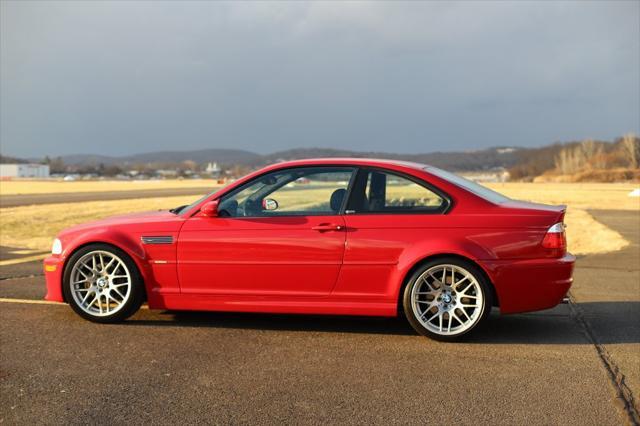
(137, 291)
(471, 268)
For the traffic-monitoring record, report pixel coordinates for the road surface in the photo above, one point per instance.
(77, 197)
(551, 367)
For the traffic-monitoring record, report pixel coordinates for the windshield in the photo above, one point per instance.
(181, 209)
(479, 190)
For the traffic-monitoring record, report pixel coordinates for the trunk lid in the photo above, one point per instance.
(554, 213)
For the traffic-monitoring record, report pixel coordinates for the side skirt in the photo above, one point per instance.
(289, 305)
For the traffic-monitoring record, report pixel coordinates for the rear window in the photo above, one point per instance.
(471, 186)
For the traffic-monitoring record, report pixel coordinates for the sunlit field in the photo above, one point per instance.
(596, 196)
(33, 227)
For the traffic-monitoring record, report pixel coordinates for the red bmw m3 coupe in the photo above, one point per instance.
(324, 236)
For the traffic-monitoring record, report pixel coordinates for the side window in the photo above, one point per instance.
(385, 192)
(292, 192)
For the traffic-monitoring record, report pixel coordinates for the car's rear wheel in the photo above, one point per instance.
(446, 299)
(102, 284)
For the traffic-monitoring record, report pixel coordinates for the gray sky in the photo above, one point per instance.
(126, 77)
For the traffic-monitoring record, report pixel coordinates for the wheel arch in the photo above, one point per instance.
(132, 255)
(431, 257)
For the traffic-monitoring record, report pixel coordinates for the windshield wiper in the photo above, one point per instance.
(177, 209)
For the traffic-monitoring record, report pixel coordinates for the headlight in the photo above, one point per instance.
(56, 248)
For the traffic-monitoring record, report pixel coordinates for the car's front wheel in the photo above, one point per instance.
(446, 299)
(102, 284)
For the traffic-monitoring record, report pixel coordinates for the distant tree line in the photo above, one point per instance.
(11, 160)
(588, 160)
(179, 169)
(585, 160)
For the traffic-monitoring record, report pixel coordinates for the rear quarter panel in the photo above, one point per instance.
(382, 249)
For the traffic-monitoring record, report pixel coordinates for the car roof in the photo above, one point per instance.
(373, 162)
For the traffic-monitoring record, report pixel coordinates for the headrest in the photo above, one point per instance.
(336, 199)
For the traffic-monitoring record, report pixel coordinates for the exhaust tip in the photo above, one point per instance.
(566, 300)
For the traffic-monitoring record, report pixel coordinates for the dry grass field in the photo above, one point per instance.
(603, 196)
(33, 227)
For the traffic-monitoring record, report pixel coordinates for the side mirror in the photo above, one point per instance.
(210, 209)
(269, 204)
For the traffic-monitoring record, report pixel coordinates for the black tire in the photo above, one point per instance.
(129, 304)
(447, 299)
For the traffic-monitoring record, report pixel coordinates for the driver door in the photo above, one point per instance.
(280, 234)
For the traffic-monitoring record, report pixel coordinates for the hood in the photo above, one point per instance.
(151, 217)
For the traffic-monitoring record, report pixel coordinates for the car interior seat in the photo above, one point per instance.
(336, 199)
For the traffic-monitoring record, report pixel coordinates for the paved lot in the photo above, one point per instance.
(77, 197)
(608, 289)
(557, 366)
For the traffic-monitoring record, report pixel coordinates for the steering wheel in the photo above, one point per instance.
(251, 208)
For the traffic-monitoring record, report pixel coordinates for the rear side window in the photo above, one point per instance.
(479, 190)
(384, 192)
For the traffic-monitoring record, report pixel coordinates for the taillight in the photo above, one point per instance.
(555, 239)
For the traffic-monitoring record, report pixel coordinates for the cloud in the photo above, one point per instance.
(116, 77)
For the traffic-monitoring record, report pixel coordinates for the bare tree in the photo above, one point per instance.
(573, 159)
(631, 146)
(190, 165)
(589, 148)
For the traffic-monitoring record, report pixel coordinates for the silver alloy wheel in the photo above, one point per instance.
(447, 300)
(100, 283)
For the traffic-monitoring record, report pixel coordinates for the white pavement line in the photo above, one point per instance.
(30, 301)
(43, 302)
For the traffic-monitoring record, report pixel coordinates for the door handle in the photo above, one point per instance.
(324, 227)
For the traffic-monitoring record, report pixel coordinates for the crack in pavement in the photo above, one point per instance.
(624, 395)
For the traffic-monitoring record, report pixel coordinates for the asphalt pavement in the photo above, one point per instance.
(608, 289)
(574, 364)
(78, 197)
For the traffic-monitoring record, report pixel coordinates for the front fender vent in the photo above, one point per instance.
(161, 239)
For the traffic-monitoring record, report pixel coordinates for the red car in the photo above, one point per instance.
(324, 236)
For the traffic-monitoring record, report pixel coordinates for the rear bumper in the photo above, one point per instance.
(531, 285)
(53, 276)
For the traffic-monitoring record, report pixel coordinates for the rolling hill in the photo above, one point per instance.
(462, 161)
(223, 156)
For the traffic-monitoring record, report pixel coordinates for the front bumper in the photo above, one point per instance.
(531, 285)
(53, 266)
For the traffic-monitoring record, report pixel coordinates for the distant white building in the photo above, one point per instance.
(213, 169)
(24, 170)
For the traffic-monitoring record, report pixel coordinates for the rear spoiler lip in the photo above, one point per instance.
(563, 212)
(529, 205)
